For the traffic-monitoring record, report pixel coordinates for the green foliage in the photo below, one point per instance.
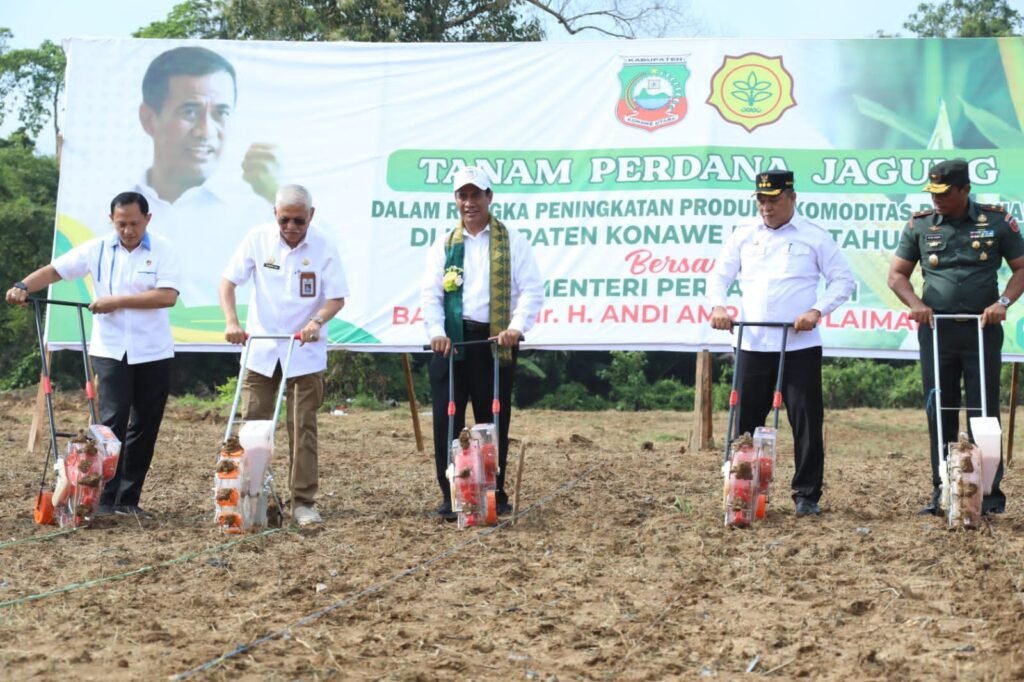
(407, 21)
(28, 194)
(572, 397)
(856, 382)
(965, 19)
(379, 376)
(31, 81)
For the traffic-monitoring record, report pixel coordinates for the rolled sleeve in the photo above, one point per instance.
(240, 266)
(168, 275)
(75, 263)
(335, 284)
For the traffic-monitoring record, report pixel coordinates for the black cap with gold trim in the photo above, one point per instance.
(942, 176)
(771, 183)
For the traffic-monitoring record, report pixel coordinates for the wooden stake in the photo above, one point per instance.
(1014, 382)
(702, 436)
(519, 478)
(414, 410)
(38, 414)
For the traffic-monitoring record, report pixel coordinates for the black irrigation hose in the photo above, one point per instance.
(316, 615)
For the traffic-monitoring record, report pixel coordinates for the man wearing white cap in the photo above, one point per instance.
(481, 282)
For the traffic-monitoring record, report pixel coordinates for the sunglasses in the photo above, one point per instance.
(299, 222)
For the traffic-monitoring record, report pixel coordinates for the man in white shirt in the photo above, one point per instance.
(135, 276)
(778, 263)
(188, 99)
(298, 286)
(481, 282)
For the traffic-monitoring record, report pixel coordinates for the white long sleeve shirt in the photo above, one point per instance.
(779, 271)
(527, 284)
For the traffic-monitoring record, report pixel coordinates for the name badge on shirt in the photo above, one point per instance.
(271, 264)
(307, 284)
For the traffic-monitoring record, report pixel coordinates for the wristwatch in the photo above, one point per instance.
(21, 285)
(318, 319)
(1004, 301)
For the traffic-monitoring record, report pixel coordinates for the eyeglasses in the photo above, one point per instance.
(299, 222)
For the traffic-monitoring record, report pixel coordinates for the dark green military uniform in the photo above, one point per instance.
(960, 260)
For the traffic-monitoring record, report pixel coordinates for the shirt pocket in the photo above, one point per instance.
(143, 280)
(798, 258)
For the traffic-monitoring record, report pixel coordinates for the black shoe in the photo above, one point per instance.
(444, 510)
(504, 509)
(933, 507)
(133, 510)
(805, 507)
(104, 510)
(994, 503)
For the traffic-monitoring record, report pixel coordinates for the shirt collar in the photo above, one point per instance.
(115, 240)
(212, 187)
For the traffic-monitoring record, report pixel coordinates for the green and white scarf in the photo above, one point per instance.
(501, 285)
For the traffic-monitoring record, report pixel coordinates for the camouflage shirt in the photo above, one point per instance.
(960, 258)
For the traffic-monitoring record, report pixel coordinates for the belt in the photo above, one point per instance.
(477, 327)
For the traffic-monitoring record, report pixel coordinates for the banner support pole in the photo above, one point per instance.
(414, 410)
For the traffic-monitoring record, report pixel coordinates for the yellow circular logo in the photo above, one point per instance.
(751, 90)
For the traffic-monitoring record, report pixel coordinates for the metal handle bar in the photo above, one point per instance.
(734, 394)
(291, 338)
(762, 324)
(940, 437)
(473, 342)
(53, 301)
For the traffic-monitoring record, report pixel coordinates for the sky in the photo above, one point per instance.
(33, 21)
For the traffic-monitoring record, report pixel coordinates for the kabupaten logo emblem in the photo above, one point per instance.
(653, 92)
(752, 90)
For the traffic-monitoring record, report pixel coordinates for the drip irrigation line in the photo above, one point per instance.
(373, 589)
(72, 587)
(38, 538)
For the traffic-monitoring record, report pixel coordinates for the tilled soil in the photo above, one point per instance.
(618, 567)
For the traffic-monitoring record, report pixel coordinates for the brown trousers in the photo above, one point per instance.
(303, 396)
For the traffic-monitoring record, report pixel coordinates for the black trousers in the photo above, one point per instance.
(801, 393)
(958, 359)
(474, 382)
(132, 400)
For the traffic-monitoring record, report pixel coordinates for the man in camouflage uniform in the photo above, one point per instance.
(960, 245)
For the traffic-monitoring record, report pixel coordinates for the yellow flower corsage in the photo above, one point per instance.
(452, 279)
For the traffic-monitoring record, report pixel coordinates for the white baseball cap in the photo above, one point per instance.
(471, 175)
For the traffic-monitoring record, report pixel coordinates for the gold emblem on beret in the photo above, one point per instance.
(933, 260)
(975, 244)
(984, 255)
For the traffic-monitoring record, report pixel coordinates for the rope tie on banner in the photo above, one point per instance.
(73, 587)
(373, 589)
(38, 538)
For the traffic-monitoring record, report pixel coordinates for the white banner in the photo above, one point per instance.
(625, 163)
